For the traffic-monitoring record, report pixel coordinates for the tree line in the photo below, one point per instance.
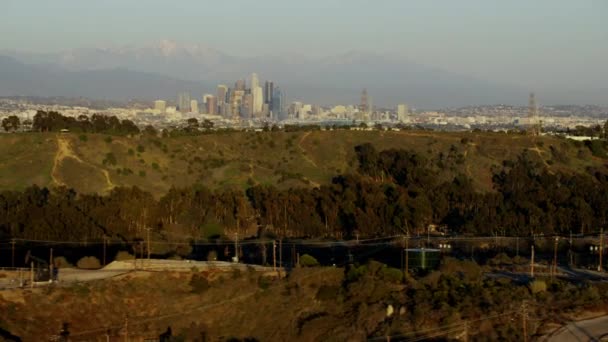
(394, 192)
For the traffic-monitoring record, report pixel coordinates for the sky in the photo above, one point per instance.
(544, 43)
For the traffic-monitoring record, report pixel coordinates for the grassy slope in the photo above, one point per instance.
(240, 159)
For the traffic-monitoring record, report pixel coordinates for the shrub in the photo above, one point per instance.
(140, 149)
(61, 262)
(123, 255)
(212, 256)
(355, 273)
(391, 274)
(142, 173)
(88, 262)
(538, 286)
(83, 137)
(327, 292)
(108, 140)
(308, 261)
(198, 283)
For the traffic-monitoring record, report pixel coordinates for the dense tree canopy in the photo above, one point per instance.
(394, 191)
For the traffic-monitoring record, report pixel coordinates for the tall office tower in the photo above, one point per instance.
(183, 102)
(258, 100)
(276, 107)
(161, 106)
(247, 106)
(402, 112)
(194, 106)
(222, 91)
(240, 85)
(363, 106)
(211, 105)
(268, 92)
(255, 82)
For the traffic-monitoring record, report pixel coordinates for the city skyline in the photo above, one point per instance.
(552, 47)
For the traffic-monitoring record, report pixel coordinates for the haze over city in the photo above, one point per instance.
(431, 55)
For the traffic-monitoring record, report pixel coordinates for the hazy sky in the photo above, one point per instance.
(522, 42)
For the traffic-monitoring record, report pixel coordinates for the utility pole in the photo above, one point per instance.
(148, 241)
(104, 250)
(524, 314)
(274, 255)
(280, 256)
(601, 249)
(13, 253)
(126, 329)
(31, 274)
(532, 263)
(51, 265)
(554, 273)
(407, 255)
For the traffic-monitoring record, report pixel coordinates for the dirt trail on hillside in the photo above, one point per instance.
(303, 150)
(64, 150)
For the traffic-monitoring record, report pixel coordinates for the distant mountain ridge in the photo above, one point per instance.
(327, 80)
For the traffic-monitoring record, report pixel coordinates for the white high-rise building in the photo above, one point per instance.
(194, 106)
(402, 112)
(160, 106)
(255, 82)
(258, 99)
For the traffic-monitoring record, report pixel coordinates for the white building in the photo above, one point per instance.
(402, 112)
(160, 106)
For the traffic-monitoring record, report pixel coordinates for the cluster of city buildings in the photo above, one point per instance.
(249, 104)
(244, 101)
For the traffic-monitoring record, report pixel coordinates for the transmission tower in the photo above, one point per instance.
(363, 107)
(533, 120)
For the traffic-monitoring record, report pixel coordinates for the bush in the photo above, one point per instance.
(88, 262)
(391, 274)
(83, 137)
(198, 283)
(327, 292)
(108, 140)
(61, 262)
(308, 261)
(140, 149)
(142, 173)
(356, 272)
(123, 255)
(538, 286)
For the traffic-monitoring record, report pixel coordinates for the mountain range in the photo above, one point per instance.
(163, 69)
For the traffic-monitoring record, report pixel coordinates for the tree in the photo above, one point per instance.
(11, 123)
(192, 123)
(207, 124)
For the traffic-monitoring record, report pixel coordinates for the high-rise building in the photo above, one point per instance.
(363, 106)
(160, 106)
(240, 85)
(276, 108)
(183, 102)
(194, 106)
(258, 100)
(268, 92)
(402, 112)
(222, 91)
(255, 82)
(211, 105)
(247, 107)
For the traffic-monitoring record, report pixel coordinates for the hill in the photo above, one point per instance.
(96, 163)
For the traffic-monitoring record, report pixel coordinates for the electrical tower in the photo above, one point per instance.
(363, 107)
(533, 120)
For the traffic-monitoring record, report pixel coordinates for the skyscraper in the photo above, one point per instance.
(183, 102)
(222, 92)
(160, 105)
(255, 82)
(277, 105)
(194, 106)
(257, 100)
(363, 106)
(402, 112)
(211, 105)
(240, 85)
(268, 92)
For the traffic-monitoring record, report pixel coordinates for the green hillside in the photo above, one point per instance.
(97, 162)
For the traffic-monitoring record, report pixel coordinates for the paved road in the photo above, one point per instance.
(590, 330)
(116, 268)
